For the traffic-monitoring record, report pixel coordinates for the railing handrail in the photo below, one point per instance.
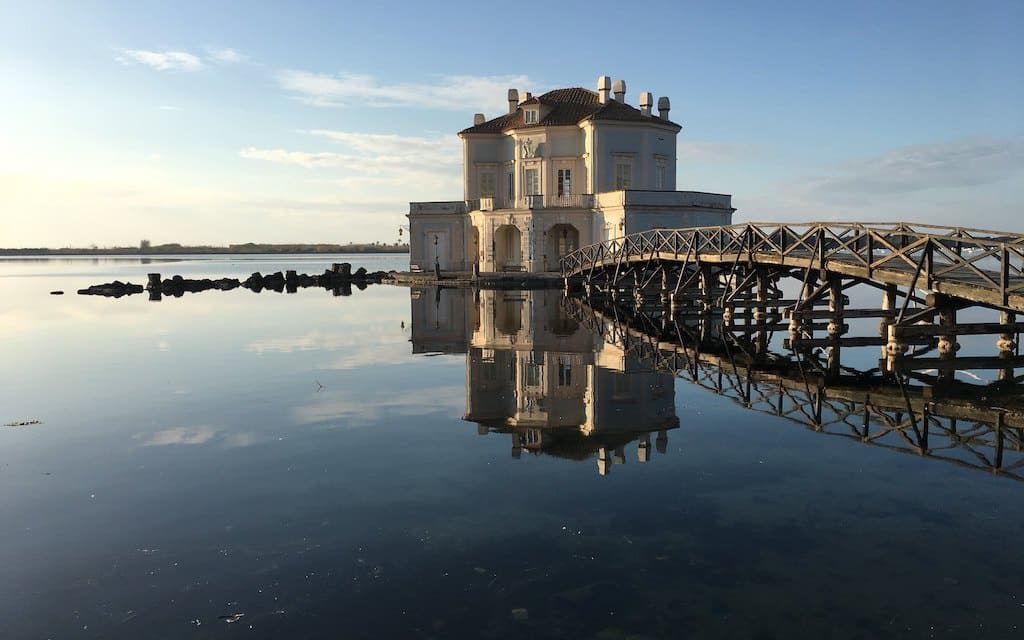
(931, 250)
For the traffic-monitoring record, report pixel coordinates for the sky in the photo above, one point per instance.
(224, 122)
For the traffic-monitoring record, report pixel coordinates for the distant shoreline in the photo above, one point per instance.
(239, 249)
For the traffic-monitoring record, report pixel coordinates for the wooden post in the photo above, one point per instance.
(1007, 343)
(888, 304)
(604, 461)
(836, 303)
(761, 311)
(643, 449)
(155, 283)
(706, 282)
(947, 341)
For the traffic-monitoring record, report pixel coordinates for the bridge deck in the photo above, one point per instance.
(983, 267)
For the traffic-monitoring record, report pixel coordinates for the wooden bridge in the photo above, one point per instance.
(719, 269)
(978, 428)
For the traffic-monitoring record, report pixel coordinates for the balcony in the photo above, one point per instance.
(642, 198)
(427, 208)
(539, 201)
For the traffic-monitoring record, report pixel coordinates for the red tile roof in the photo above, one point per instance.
(568, 107)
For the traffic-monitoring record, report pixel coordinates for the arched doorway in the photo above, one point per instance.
(508, 315)
(561, 240)
(508, 255)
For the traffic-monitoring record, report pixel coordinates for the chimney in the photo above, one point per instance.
(604, 86)
(513, 100)
(646, 102)
(478, 118)
(526, 96)
(619, 89)
(663, 106)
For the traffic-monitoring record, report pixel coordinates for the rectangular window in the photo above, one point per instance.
(487, 185)
(511, 185)
(621, 387)
(532, 373)
(531, 116)
(623, 175)
(564, 371)
(533, 182)
(564, 182)
(659, 177)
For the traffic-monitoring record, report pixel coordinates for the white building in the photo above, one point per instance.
(558, 171)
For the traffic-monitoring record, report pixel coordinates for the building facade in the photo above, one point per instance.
(556, 172)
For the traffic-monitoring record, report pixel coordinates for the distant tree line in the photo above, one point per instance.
(147, 248)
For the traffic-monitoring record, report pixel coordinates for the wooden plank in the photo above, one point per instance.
(957, 363)
(846, 313)
(960, 329)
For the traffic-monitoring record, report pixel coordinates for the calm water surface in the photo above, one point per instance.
(408, 464)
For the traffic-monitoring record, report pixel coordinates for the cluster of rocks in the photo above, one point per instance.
(114, 289)
(339, 278)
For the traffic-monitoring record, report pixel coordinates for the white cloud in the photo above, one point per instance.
(377, 171)
(374, 172)
(162, 60)
(300, 158)
(226, 55)
(456, 93)
(168, 107)
(447, 146)
(388, 157)
(942, 182)
(181, 436)
(368, 408)
(966, 162)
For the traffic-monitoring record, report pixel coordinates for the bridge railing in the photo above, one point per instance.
(989, 259)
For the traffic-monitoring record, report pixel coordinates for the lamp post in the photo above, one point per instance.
(437, 262)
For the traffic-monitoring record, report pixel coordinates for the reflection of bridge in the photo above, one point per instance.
(981, 429)
(740, 265)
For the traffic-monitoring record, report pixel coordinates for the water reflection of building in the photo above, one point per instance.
(533, 373)
(438, 321)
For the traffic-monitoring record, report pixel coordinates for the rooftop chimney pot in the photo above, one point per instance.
(513, 100)
(478, 118)
(604, 86)
(619, 89)
(646, 102)
(663, 107)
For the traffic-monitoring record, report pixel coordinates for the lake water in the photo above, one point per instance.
(420, 464)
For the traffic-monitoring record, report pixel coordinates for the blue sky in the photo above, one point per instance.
(217, 122)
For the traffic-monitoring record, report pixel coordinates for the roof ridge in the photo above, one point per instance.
(569, 106)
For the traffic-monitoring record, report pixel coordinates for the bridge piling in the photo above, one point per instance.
(947, 343)
(1007, 341)
(888, 305)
